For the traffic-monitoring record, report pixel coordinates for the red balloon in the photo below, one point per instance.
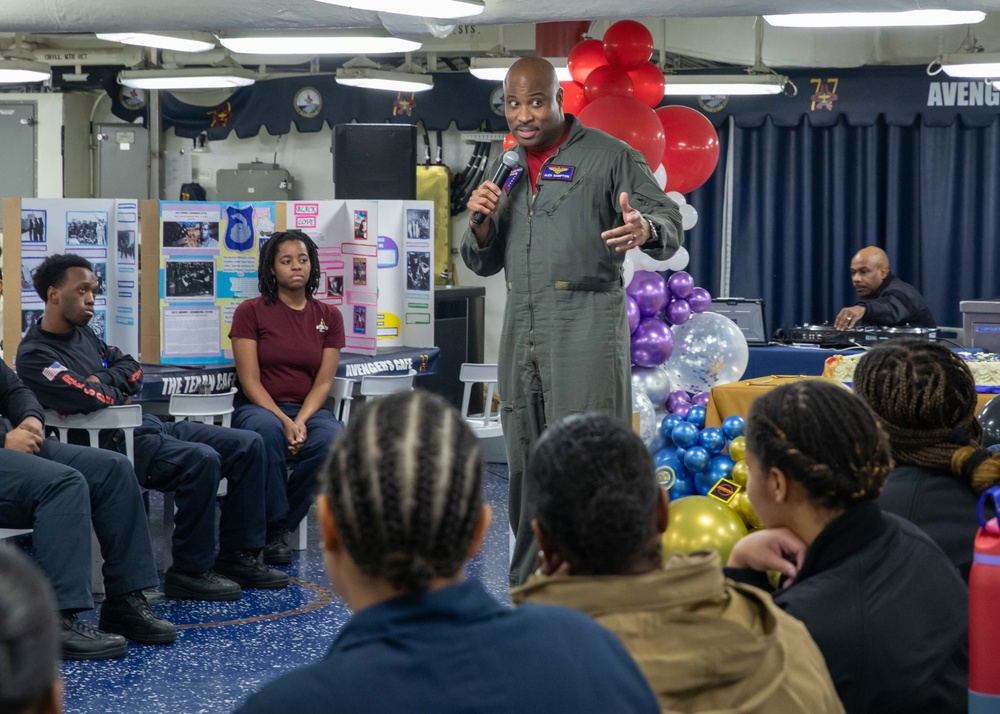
(648, 83)
(627, 44)
(584, 58)
(691, 150)
(607, 81)
(509, 142)
(631, 121)
(573, 99)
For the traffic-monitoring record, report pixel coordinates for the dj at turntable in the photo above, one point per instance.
(883, 299)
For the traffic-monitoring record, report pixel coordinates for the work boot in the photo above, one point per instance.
(130, 616)
(81, 641)
(276, 550)
(208, 586)
(242, 567)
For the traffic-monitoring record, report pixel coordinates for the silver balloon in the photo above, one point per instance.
(654, 382)
(647, 416)
(709, 349)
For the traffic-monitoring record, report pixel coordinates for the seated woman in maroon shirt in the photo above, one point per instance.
(287, 345)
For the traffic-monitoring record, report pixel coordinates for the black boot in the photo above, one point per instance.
(243, 568)
(81, 641)
(276, 551)
(130, 616)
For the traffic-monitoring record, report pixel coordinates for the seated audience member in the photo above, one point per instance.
(401, 510)
(286, 345)
(925, 398)
(73, 371)
(29, 664)
(704, 644)
(59, 490)
(887, 609)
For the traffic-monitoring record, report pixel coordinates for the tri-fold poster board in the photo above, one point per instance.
(199, 260)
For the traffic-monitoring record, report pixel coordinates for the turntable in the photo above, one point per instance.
(827, 336)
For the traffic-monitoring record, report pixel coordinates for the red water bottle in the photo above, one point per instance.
(984, 606)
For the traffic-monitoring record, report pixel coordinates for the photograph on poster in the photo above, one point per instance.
(190, 278)
(126, 246)
(361, 225)
(360, 271)
(190, 234)
(360, 319)
(28, 268)
(86, 228)
(418, 224)
(335, 286)
(418, 270)
(29, 318)
(101, 273)
(98, 323)
(33, 225)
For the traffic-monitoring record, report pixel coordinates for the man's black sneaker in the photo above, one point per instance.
(130, 616)
(276, 551)
(242, 566)
(207, 586)
(81, 641)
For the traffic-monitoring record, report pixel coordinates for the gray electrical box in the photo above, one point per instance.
(253, 182)
(121, 168)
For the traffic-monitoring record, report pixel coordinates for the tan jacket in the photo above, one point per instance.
(704, 643)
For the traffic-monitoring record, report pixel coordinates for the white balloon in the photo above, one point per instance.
(709, 349)
(677, 197)
(643, 261)
(628, 268)
(647, 415)
(661, 176)
(689, 216)
(678, 261)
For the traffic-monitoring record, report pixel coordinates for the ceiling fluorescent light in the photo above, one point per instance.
(15, 70)
(339, 44)
(177, 41)
(724, 84)
(390, 80)
(494, 69)
(973, 65)
(189, 78)
(440, 9)
(907, 18)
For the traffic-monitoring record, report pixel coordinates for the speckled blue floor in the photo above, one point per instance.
(212, 667)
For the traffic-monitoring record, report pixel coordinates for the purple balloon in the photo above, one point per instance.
(699, 300)
(652, 343)
(633, 313)
(701, 398)
(678, 396)
(682, 409)
(649, 290)
(680, 284)
(678, 311)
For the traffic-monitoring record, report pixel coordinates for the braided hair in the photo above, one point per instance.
(823, 437)
(267, 282)
(596, 490)
(405, 484)
(925, 397)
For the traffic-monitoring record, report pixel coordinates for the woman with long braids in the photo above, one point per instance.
(286, 345)
(925, 398)
(884, 605)
(401, 510)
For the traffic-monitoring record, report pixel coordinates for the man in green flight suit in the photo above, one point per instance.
(559, 227)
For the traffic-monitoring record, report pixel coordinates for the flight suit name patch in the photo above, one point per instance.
(557, 173)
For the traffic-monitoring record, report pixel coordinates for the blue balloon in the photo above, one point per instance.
(733, 426)
(703, 482)
(712, 439)
(696, 415)
(683, 486)
(685, 434)
(657, 443)
(721, 466)
(669, 470)
(697, 458)
(664, 455)
(668, 424)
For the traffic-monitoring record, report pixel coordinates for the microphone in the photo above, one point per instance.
(507, 164)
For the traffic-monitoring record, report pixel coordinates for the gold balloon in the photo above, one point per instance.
(740, 473)
(702, 523)
(741, 504)
(738, 448)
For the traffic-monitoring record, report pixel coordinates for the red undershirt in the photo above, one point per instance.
(536, 158)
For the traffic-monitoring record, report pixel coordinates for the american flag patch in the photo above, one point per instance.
(53, 370)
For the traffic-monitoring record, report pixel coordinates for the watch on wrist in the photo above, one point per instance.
(654, 234)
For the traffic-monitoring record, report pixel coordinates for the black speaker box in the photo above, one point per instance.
(375, 161)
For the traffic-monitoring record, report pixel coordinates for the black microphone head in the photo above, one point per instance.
(510, 159)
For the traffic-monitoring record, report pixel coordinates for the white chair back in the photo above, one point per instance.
(487, 424)
(205, 408)
(125, 417)
(378, 385)
(342, 394)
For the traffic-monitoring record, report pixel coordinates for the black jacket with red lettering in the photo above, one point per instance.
(56, 367)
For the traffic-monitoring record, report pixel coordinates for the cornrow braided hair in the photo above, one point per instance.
(925, 398)
(405, 484)
(823, 437)
(595, 486)
(267, 282)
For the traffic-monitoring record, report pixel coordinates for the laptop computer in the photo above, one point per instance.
(748, 314)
